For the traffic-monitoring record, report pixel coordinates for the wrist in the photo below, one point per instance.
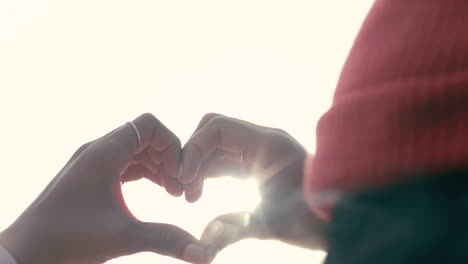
(284, 211)
(292, 223)
(25, 246)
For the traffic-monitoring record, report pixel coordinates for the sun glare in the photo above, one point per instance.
(71, 71)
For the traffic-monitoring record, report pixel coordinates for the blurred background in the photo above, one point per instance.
(70, 71)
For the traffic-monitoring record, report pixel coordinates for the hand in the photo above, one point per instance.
(225, 146)
(283, 214)
(81, 216)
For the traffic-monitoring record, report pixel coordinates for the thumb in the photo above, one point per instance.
(230, 228)
(169, 240)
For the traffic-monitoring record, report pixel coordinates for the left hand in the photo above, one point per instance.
(81, 216)
(226, 146)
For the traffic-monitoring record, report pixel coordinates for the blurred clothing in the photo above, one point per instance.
(414, 222)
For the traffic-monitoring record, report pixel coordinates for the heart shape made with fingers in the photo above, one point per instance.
(223, 146)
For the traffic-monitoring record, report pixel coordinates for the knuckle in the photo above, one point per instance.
(171, 242)
(148, 117)
(82, 148)
(168, 235)
(277, 139)
(213, 120)
(207, 117)
(283, 143)
(177, 142)
(218, 121)
(188, 145)
(276, 132)
(281, 132)
(103, 155)
(271, 135)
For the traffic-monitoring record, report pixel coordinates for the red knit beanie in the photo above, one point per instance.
(401, 105)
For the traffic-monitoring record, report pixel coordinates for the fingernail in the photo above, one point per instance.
(180, 190)
(195, 254)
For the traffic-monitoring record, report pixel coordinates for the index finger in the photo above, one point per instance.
(118, 148)
(228, 229)
(222, 139)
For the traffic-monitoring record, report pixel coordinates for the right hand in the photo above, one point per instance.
(225, 146)
(81, 216)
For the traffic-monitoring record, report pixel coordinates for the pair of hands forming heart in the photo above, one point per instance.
(81, 216)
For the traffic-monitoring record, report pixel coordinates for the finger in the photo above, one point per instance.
(222, 164)
(137, 171)
(133, 173)
(194, 186)
(168, 149)
(205, 119)
(146, 161)
(171, 159)
(117, 149)
(194, 191)
(229, 229)
(220, 234)
(171, 184)
(210, 116)
(80, 150)
(84, 147)
(193, 156)
(171, 241)
(75, 155)
(211, 168)
(220, 135)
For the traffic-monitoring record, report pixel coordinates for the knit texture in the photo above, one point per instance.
(401, 104)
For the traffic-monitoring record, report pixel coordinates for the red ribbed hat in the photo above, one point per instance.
(401, 105)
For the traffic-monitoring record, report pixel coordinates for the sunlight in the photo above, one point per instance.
(221, 196)
(242, 194)
(74, 70)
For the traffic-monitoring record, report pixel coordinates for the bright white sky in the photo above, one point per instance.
(72, 70)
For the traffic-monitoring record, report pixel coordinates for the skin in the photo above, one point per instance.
(81, 216)
(221, 146)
